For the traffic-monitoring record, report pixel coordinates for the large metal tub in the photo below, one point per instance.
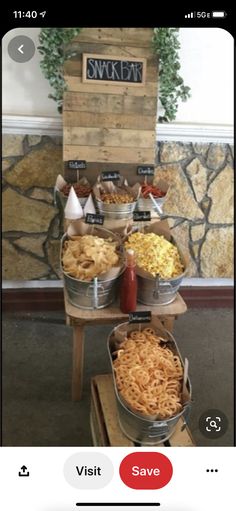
(98, 293)
(135, 426)
(116, 211)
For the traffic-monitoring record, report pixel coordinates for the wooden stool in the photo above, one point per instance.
(79, 318)
(104, 423)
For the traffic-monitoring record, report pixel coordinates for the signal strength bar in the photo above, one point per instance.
(190, 15)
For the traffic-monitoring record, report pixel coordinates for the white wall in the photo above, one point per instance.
(206, 66)
(24, 88)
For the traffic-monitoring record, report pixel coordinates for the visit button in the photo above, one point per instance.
(146, 470)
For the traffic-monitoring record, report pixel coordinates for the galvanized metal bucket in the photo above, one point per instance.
(98, 293)
(154, 205)
(116, 211)
(157, 291)
(135, 426)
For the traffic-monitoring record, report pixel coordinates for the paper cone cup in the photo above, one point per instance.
(73, 209)
(89, 206)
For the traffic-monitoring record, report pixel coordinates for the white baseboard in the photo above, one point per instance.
(56, 284)
(172, 132)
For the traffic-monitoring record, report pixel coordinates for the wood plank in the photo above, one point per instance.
(122, 121)
(109, 49)
(107, 398)
(109, 103)
(181, 438)
(129, 36)
(75, 85)
(109, 154)
(98, 429)
(108, 137)
(113, 313)
(73, 67)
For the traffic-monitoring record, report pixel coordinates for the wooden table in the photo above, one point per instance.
(79, 318)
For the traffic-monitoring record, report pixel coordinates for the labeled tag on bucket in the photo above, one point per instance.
(94, 219)
(141, 216)
(140, 317)
(110, 176)
(77, 164)
(145, 170)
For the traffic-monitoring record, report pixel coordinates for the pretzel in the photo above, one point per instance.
(148, 375)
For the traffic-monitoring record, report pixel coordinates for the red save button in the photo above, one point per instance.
(146, 470)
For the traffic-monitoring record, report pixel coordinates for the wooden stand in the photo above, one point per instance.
(79, 318)
(104, 423)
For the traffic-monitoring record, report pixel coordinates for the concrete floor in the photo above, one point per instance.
(37, 352)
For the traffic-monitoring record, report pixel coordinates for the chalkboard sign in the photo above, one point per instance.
(94, 219)
(110, 176)
(141, 216)
(145, 170)
(77, 164)
(116, 70)
(140, 317)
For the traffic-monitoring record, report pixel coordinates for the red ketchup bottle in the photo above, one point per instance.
(129, 285)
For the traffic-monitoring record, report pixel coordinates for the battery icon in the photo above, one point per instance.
(218, 14)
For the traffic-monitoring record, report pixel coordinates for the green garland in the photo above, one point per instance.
(52, 47)
(165, 45)
(171, 85)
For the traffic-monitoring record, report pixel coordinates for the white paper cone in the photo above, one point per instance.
(60, 182)
(89, 206)
(73, 209)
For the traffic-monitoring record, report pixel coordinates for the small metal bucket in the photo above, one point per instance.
(134, 425)
(149, 205)
(98, 293)
(116, 211)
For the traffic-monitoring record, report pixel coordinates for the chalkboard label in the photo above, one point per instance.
(110, 176)
(145, 170)
(94, 219)
(106, 68)
(77, 164)
(140, 317)
(141, 216)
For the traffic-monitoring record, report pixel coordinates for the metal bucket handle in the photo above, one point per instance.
(186, 415)
(164, 429)
(156, 291)
(95, 287)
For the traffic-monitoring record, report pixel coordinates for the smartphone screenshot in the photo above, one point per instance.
(117, 262)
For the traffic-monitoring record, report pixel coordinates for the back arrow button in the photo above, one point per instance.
(20, 49)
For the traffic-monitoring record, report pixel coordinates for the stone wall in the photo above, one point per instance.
(30, 222)
(199, 205)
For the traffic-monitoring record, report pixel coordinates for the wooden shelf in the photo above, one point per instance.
(112, 313)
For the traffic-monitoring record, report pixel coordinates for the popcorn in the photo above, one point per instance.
(155, 255)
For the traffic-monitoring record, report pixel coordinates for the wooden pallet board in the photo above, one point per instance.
(139, 37)
(112, 122)
(104, 423)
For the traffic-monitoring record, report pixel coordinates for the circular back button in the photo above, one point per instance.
(146, 470)
(21, 48)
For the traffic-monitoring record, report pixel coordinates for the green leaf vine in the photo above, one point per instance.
(171, 86)
(52, 46)
(53, 43)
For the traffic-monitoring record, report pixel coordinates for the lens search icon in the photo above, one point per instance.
(213, 424)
